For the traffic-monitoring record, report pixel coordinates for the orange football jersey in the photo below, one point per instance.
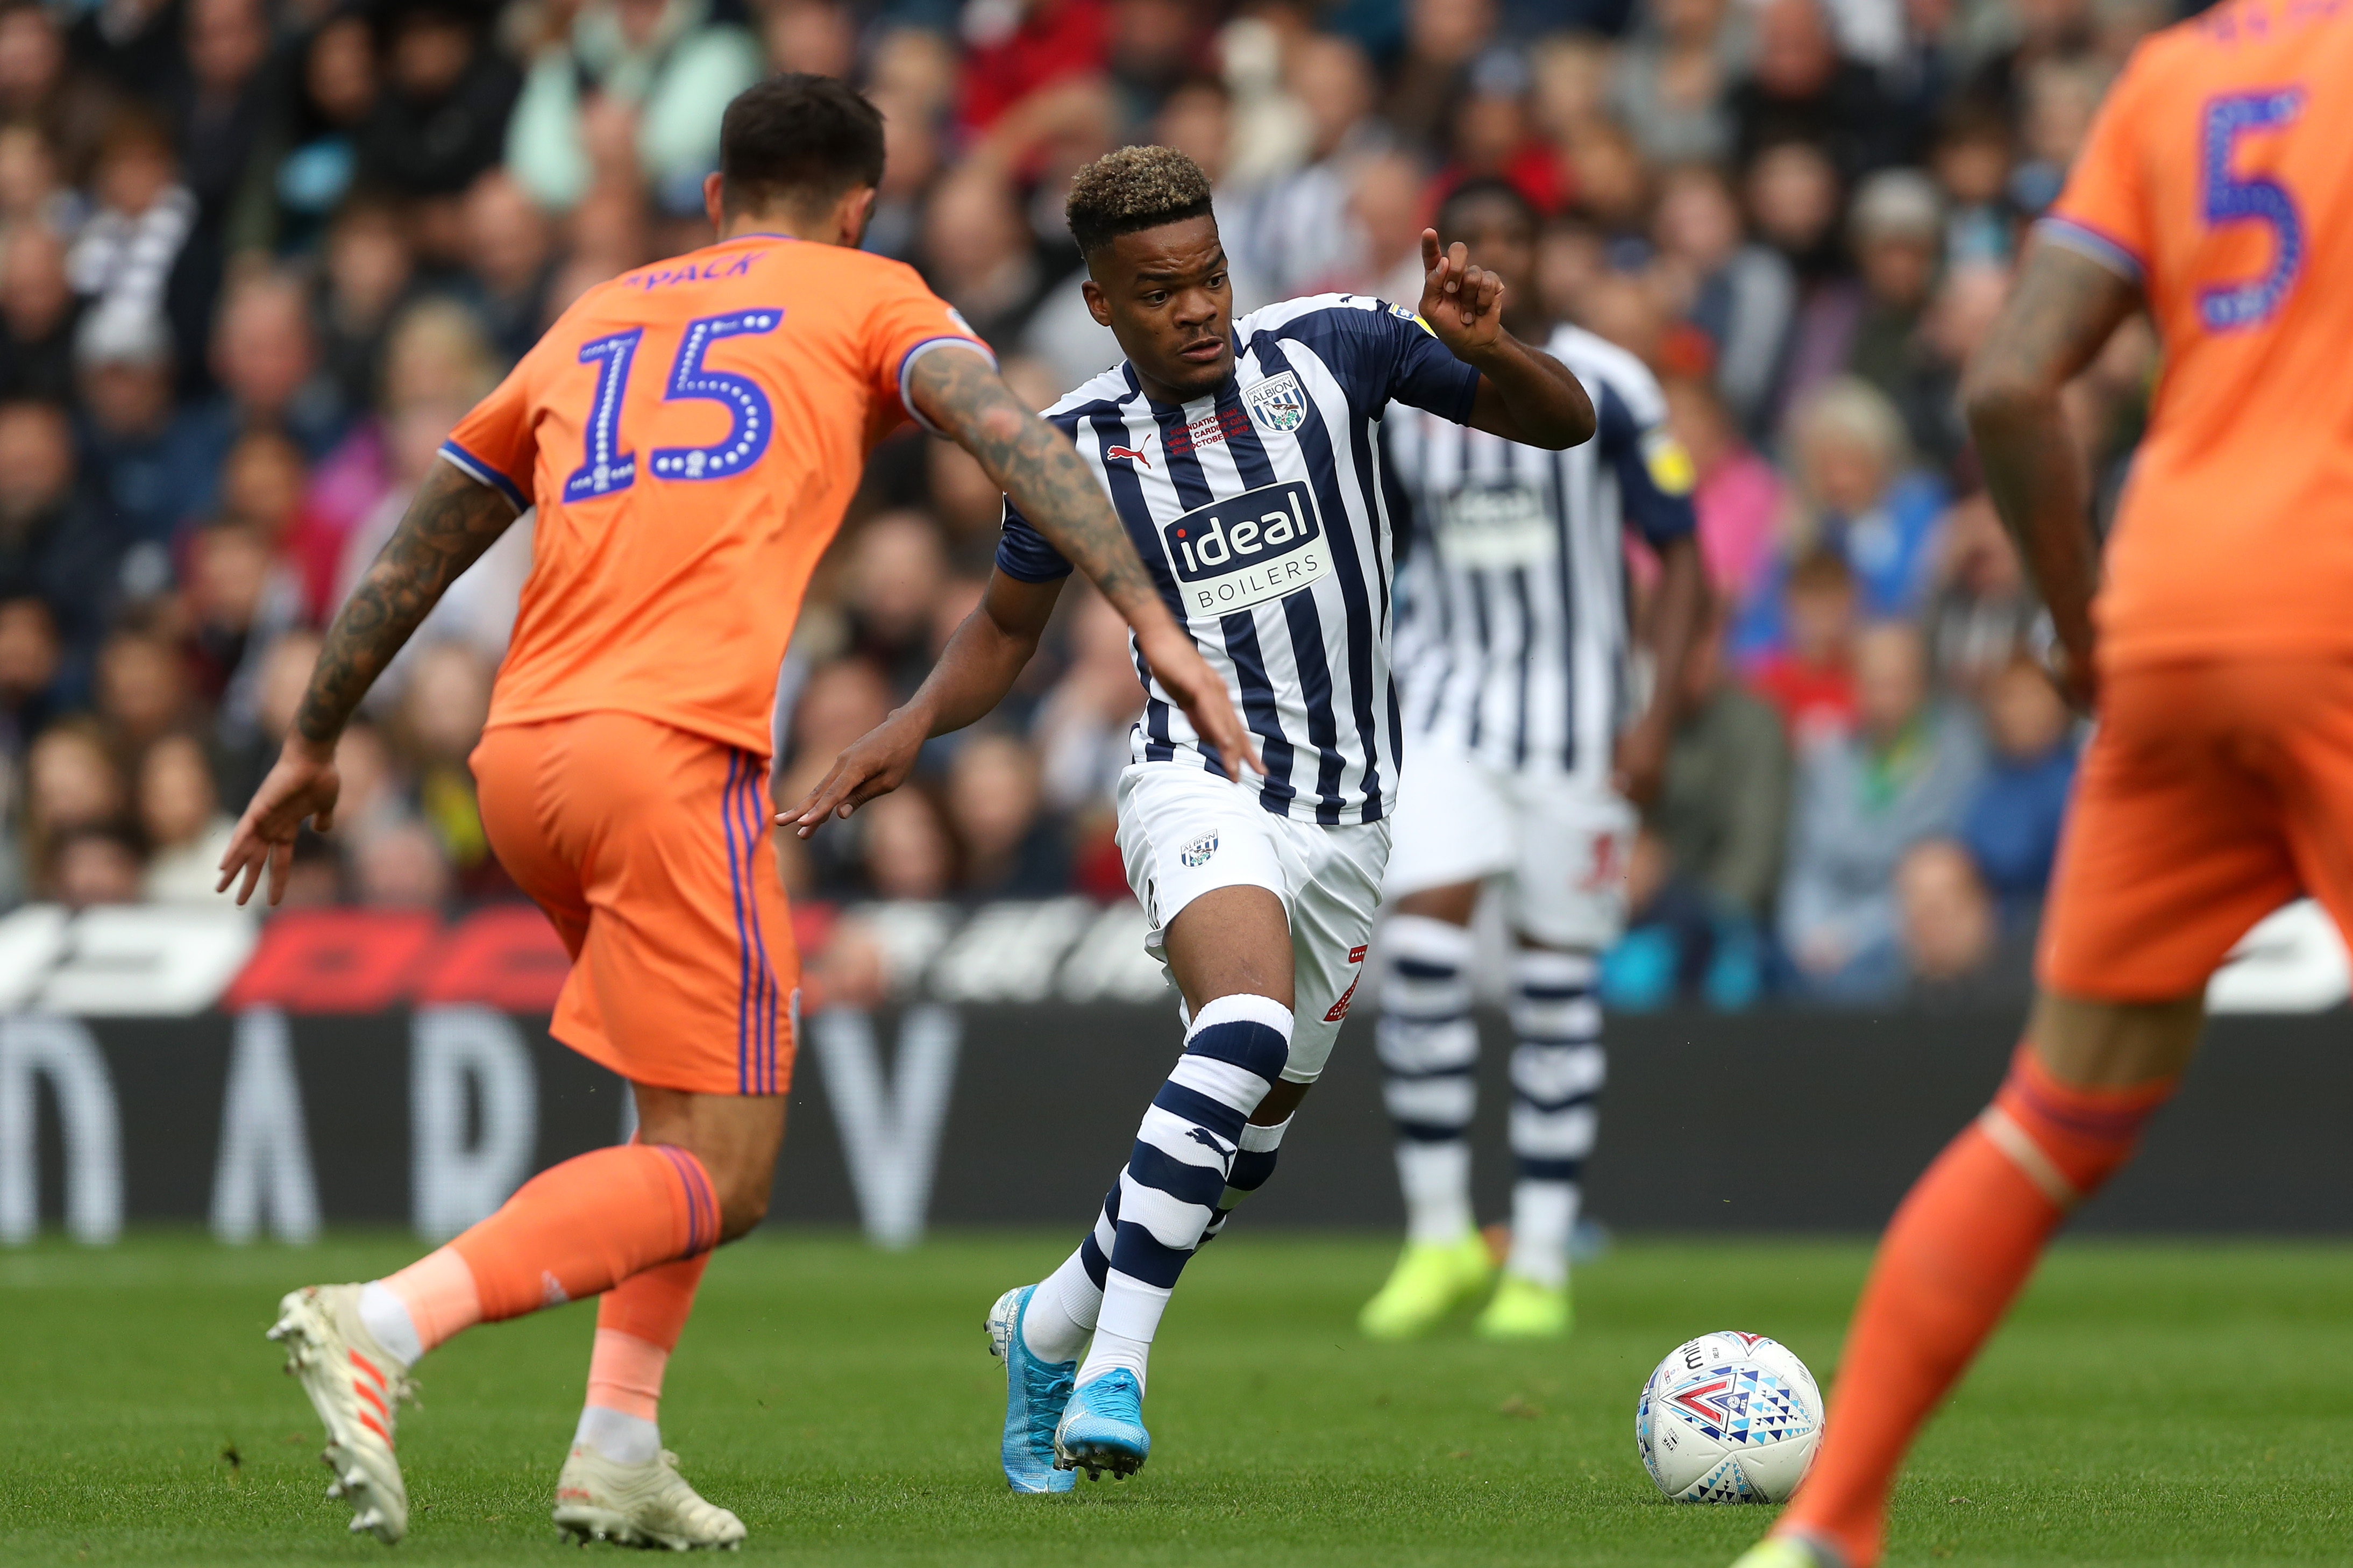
(2219, 175)
(690, 433)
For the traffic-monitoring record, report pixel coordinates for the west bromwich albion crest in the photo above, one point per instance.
(1277, 403)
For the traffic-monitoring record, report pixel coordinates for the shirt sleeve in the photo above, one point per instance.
(1655, 475)
(498, 443)
(1023, 553)
(2104, 211)
(1422, 371)
(907, 322)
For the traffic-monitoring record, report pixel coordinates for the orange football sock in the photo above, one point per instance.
(581, 1227)
(637, 1325)
(1957, 1251)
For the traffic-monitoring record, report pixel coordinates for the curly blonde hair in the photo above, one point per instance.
(1131, 189)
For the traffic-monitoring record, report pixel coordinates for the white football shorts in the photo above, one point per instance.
(1185, 831)
(1558, 848)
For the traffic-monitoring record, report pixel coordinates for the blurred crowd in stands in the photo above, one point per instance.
(258, 255)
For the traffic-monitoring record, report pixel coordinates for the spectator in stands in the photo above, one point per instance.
(132, 46)
(127, 263)
(37, 315)
(32, 660)
(1739, 499)
(904, 845)
(1904, 774)
(142, 687)
(979, 255)
(179, 810)
(839, 702)
(266, 356)
(1724, 812)
(1981, 612)
(629, 91)
(896, 570)
(94, 863)
(441, 117)
(1294, 229)
(1809, 679)
(1742, 295)
(1670, 80)
(1011, 848)
(369, 269)
(314, 153)
(1863, 496)
(441, 715)
(1799, 88)
(221, 110)
(401, 866)
(56, 545)
(1793, 195)
(153, 462)
(70, 782)
(1953, 949)
(1710, 855)
(2011, 828)
(1897, 224)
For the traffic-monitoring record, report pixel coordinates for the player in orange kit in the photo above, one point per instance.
(2215, 191)
(690, 434)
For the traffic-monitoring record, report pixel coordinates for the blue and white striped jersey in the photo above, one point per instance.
(1260, 513)
(1512, 633)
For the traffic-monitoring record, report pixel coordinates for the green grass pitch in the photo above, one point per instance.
(2150, 1403)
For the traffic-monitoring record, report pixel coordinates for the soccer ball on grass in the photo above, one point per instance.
(1728, 1418)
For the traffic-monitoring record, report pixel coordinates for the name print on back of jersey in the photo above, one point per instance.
(1247, 549)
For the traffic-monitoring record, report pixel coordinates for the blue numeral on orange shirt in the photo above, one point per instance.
(754, 421)
(606, 469)
(2229, 307)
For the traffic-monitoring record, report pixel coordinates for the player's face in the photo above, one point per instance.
(1165, 295)
(1501, 240)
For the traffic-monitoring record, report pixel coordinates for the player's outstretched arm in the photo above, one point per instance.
(1524, 394)
(452, 520)
(982, 661)
(2061, 312)
(960, 393)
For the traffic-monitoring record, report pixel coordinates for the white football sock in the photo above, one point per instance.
(1436, 1182)
(1543, 1213)
(621, 1437)
(1131, 1316)
(1063, 1309)
(386, 1317)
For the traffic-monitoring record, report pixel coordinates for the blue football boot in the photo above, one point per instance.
(1103, 1427)
(1035, 1393)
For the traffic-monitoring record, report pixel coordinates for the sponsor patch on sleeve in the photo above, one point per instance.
(1670, 466)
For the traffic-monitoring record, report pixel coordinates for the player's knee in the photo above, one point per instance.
(2069, 1139)
(743, 1201)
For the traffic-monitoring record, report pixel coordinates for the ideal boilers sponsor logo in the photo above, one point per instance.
(1247, 549)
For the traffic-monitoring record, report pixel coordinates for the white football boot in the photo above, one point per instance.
(647, 1504)
(356, 1386)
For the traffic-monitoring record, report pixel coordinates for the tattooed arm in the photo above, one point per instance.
(2061, 310)
(452, 520)
(1031, 462)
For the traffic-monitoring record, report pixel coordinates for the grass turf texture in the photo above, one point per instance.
(2150, 1403)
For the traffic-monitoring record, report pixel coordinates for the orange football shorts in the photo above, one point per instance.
(649, 849)
(2212, 793)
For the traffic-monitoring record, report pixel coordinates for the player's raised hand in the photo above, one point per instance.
(301, 786)
(1200, 691)
(875, 764)
(1463, 304)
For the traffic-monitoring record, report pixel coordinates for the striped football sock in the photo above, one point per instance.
(1253, 1164)
(1429, 1048)
(1557, 1072)
(1177, 1173)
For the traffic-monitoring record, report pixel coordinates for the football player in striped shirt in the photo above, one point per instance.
(1525, 747)
(1244, 458)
